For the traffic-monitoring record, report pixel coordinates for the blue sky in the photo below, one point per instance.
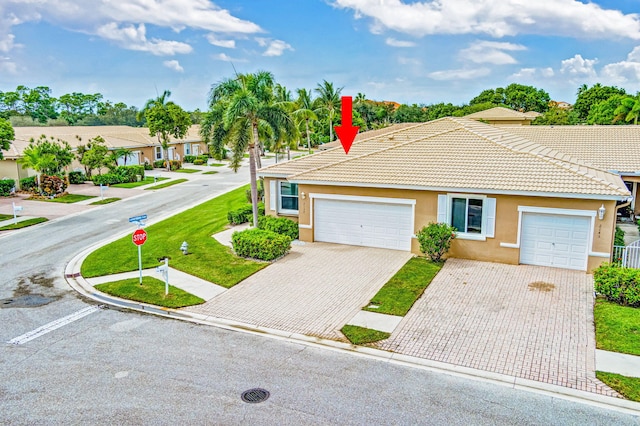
(409, 51)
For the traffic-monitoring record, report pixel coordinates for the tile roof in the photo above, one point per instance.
(614, 148)
(500, 113)
(454, 153)
(368, 135)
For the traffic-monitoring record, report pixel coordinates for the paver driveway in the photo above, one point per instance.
(314, 290)
(524, 321)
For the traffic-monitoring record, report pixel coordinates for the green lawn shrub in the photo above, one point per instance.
(147, 166)
(106, 179)
(198, 162)
(243, 214)
(260, 185)
(175, 164)
(279, 225)
(28, 184)
(618, 284)
(260, 244)
(189, 158)
(158, 164)
(6, 186)
(76, 177)
(435, 239)
(129, 173)
(618, 239)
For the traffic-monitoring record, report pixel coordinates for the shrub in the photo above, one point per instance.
(244, 214)
(158, 164)
(76, 177)
(618, 239)
(189, 158)
(260, 185)
(147, 166)
(618, 284)
(52, 185)
(28, 184)
(198, 162)
(279, 225)
(260, 244)
(107, 179)
(435, 240)
(6, 187)
(129, 173)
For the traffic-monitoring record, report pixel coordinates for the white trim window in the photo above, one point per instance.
(287, 197)
(473, 216)
(187, 149)
(158, 152)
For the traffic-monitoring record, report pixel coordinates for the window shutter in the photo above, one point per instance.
(490, 206)
(273, 193)
(442, 209)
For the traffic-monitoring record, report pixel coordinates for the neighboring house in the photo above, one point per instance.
(512, 200)
(500, 116)
(143, 147)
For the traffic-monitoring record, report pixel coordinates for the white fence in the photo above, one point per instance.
(629, 256)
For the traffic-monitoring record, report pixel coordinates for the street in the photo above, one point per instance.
(123, 367)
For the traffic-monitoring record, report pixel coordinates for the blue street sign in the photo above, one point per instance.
(138, 218)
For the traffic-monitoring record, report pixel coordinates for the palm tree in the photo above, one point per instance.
(628, 110)
(238, 107)
(160, 100)
(34, 157)
(329, 100)
(304, 110)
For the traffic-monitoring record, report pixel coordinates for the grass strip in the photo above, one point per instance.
(105, 201)
(65, 199)
(360, 335)
(216, 164)
(6, 217)
(151, 291)
(208, 259)
(399, 294)
(146, 181)
(629, 387)
(24, 223)
(617, 327)
(187, 170)
(167, 184)
(211, 172)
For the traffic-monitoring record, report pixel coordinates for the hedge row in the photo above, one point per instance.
(77, 177)
(193, 158)
(279, 225)
(121, 174)
(244, 214)
(618, 284)
(260, 244)
(28, 184)
(6, 186)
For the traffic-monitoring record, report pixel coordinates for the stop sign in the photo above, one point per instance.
(139, 237)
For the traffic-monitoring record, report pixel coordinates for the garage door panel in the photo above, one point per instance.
(363, 223)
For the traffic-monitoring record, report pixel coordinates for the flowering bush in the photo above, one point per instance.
(435, 239)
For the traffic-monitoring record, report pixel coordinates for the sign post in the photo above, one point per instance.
(139, 237)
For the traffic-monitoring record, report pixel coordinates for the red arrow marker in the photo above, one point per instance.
(347, 132)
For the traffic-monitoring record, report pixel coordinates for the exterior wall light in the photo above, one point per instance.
(601, 212)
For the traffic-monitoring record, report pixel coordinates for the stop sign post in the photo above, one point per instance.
(139, 237)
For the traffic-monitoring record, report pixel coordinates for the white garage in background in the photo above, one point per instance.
(558, 240)
(363, 221)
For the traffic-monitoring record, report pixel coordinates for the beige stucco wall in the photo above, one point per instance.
(507, 220)
(12, 170)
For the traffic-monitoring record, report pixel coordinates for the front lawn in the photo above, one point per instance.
(5, 217)
(211, 172)
(151, 291)
(208, 259)
(399, 294)
(617, 327)
(187, 170)
(24, 223)
(167, 184)
(216, 164)
(361, 335)
(146, 181)
(66, 199)
(629, 387)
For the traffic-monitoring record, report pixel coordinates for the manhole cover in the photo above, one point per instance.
(27, 301)
(255, 395)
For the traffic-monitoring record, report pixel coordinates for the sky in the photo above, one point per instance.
(408, 51)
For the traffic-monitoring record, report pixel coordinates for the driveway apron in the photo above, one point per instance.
(525, 321)
(314, 290)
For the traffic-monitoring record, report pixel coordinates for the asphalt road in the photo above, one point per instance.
(123, 367)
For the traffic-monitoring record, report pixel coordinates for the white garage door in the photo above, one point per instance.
(555, 240)
(363, 223)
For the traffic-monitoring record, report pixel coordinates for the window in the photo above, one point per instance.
(289, 197)
(466, 215)
(158, 150)
(474, 216)
(187, 149)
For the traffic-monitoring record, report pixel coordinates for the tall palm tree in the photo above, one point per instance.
(329, 100)
(238, 106)
(304, 110)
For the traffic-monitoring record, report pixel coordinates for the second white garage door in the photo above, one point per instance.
(369, 224)
(555, 240)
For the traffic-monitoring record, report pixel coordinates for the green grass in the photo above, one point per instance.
(629, 387)
(398, 295)
(65, 199)
(208, 259)
(6, 217)
(105, 201)
(360, 335)
(151, 291)
(187, 171)
(167, 184)
(617, 327)
(146, 181)
(212, 172)
(217, 164)
(24, 223)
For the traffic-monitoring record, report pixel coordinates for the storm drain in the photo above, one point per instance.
(253, 396)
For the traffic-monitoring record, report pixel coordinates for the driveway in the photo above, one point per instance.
(525, 321)
(314, 290)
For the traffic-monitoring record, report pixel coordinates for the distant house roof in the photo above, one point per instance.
(501, 114)
(368, 134)
(454, 154)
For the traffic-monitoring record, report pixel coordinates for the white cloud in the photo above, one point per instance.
(6, 43)
(403, 60)
(226, 58)
(274, 47)
(459, 74)
(229, 44)
(579, 67)
(491, 52)
(571, 18)
(173, 65)
(8, 66)
(526, 73)
(399, 43)
(134, 38)
(624, 72)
